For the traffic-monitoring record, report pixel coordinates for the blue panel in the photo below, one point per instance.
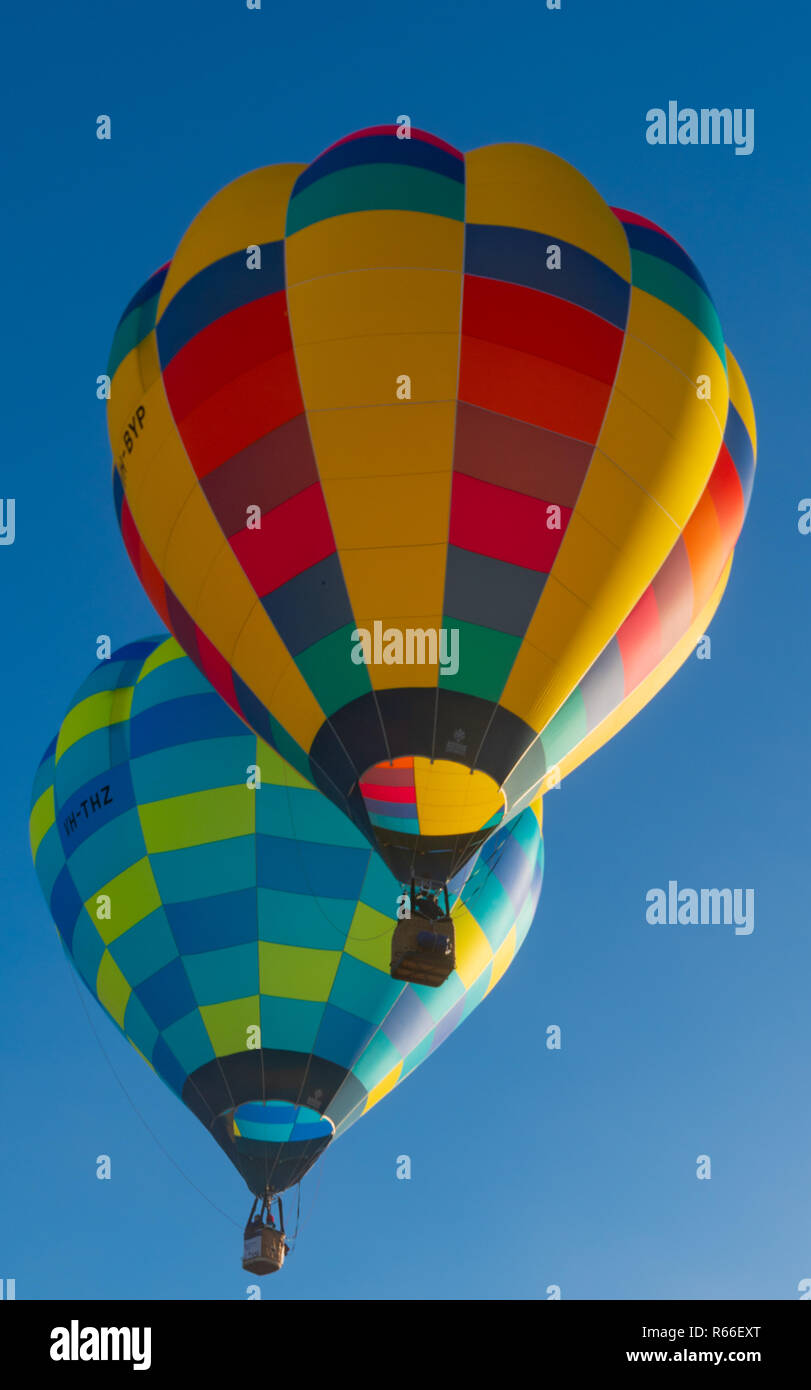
(167, 995)
(342, 1036)
(190, 1042)
(493, 910)
(108, 852)
(182, 721)
(518, 257)
(172, 680)
(447, 1024)
(194, 767)
(65, 904)
(202, 870)
(655, 243)
(381, 149)
(87, 949)
(255, 713)
(50, 861)
(168, 1067)
(296, 813)
(219, 976)
(212, 924)
(736, 438)
(361, 990)
(153, 286)
(376, 1063)
(309, 606)
(407, 1023)
(327, 871)
(490, 593)
(295, 919)
(43, 778)
(139, 1027)
(144, 948)
(289, 1024)
(216, 290)
(419, 1054)
(95, 804)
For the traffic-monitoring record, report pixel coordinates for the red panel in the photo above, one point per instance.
(726, 492)
(245, 409)
(292, 537)
(537, 323)
(228, 348)
(379, 791)
(640, 640)
(530, 388)
(216, 669)
(152, 580)
(506, 525)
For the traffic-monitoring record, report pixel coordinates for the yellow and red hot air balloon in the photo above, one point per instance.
(404, 396)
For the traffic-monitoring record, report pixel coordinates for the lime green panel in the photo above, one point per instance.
(198, 818)
(369, 937)
(112, 989)
(43, 815)
(96, 712)
(227, 1024)
(133, 895)
(296, 972)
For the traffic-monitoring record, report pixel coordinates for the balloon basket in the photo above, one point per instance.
(264, 1251)
(423, 951)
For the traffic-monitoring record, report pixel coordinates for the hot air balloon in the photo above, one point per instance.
(431, 462)
(236, 926)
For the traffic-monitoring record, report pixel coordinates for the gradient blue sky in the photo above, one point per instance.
(530, 1167)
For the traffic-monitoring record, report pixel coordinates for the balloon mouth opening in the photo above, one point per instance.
(421, 797)
(278, 1122)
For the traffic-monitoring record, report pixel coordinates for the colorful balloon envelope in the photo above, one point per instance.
(239, 933)
(431, 462)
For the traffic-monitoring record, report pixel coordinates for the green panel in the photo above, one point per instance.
(375, 188)
(43, 815)
(673, 287)
(370, 936)
(131, 332)
(227, 1024)
(296, 972)
(198, 818)
(565, 731)
(96, 712)
(330, 672)
(133, 895)
(486, 658)
(112, 989)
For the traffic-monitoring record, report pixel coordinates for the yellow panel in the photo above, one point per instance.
(521, 186)
(658, 430)
(225, 602)
(365, 511)
(264, 663)
(374, 239)
(365, 371)
(473, 950)
(452, 800)
(381, 590)
(650, 686)
(740, 397)
(616, 506)
(250, 211)
(365, 303)
(383, 1087)
(166, 480)
(677, 339)
(502, 959)
(384, 441)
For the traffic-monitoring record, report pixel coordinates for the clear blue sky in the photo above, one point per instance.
(530, 1167)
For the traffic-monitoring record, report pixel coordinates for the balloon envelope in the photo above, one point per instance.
(240, 937)
(402, 396)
